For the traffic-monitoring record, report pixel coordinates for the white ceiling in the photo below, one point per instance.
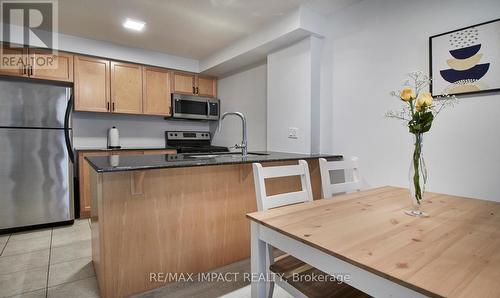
(188, 28)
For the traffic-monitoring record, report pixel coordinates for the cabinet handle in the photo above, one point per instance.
(113, 106)
(24, 69)
(107, 106)
(194, 90)
(30, 70)
(197, 91)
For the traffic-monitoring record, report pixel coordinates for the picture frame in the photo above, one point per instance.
(465, 61)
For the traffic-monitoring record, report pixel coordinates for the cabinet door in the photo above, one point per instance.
(126, 88)
(183, 83)
(156, 91)
(207, 86)
(12, 61)
(84, 181)
(60, 70)
(92, 84)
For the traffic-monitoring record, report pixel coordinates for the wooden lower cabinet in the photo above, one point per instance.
(84, 180)
(84, 172)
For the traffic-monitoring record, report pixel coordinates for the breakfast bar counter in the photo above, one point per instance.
(103, 164)
(177, 213)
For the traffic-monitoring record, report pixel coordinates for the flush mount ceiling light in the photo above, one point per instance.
(134, 25)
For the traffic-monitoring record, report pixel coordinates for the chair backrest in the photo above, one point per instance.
(330, 189)
(261, 173)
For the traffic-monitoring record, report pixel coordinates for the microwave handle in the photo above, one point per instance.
(208, 108)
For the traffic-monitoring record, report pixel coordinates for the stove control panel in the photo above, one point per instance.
(188, 135)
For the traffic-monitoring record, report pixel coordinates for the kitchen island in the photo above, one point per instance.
(176, 213)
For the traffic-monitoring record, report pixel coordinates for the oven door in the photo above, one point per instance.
(191, 107)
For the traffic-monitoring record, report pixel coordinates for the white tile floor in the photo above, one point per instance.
(58, 263)
(48, 263)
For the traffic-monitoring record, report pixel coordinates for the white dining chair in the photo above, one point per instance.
(261, 173)
(288, 265)
(265, 202)
(347, 166)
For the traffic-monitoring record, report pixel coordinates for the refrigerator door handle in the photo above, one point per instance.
(69, 147)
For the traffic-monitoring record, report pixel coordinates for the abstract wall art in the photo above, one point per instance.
(466, 61)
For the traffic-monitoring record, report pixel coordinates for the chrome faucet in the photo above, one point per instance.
(244, 145)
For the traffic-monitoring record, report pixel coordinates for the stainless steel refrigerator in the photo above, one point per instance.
(36, 155)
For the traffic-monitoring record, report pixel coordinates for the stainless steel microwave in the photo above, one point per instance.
(195, 107)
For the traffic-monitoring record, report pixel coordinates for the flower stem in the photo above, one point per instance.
(416, 163)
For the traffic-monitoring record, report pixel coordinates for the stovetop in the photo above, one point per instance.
(192, 142)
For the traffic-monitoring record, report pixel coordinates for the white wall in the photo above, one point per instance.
(371, 46)
(316, 47)
(113, 51)
(244, 92)
(286, 30)
(90, 129)
(289, 98)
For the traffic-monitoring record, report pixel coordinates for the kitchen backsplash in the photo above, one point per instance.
(90, 129)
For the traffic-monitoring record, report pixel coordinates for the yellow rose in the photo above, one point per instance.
(407, 94)
(424, 101)
(418, 107)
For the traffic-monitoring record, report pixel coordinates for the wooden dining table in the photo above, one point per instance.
(366, 236)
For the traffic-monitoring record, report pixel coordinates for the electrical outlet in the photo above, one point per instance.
(292, 133)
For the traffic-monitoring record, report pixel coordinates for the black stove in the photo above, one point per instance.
(192, 142)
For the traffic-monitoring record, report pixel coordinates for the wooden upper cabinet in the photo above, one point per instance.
(184, 83)
(156, 91)
(92, 84)
(46, 65)
(13, 61)
(192, 84)
(36, 63)
(207, 86)
(126, 88)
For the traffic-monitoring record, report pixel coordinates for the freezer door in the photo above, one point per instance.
(34, 177)
(24, 104)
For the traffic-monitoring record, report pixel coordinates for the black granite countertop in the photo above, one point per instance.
(117, 163)
(124, 148)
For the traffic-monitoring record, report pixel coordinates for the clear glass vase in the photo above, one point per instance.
(417, 177)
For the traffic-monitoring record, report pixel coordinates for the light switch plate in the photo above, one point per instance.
(292, 133)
